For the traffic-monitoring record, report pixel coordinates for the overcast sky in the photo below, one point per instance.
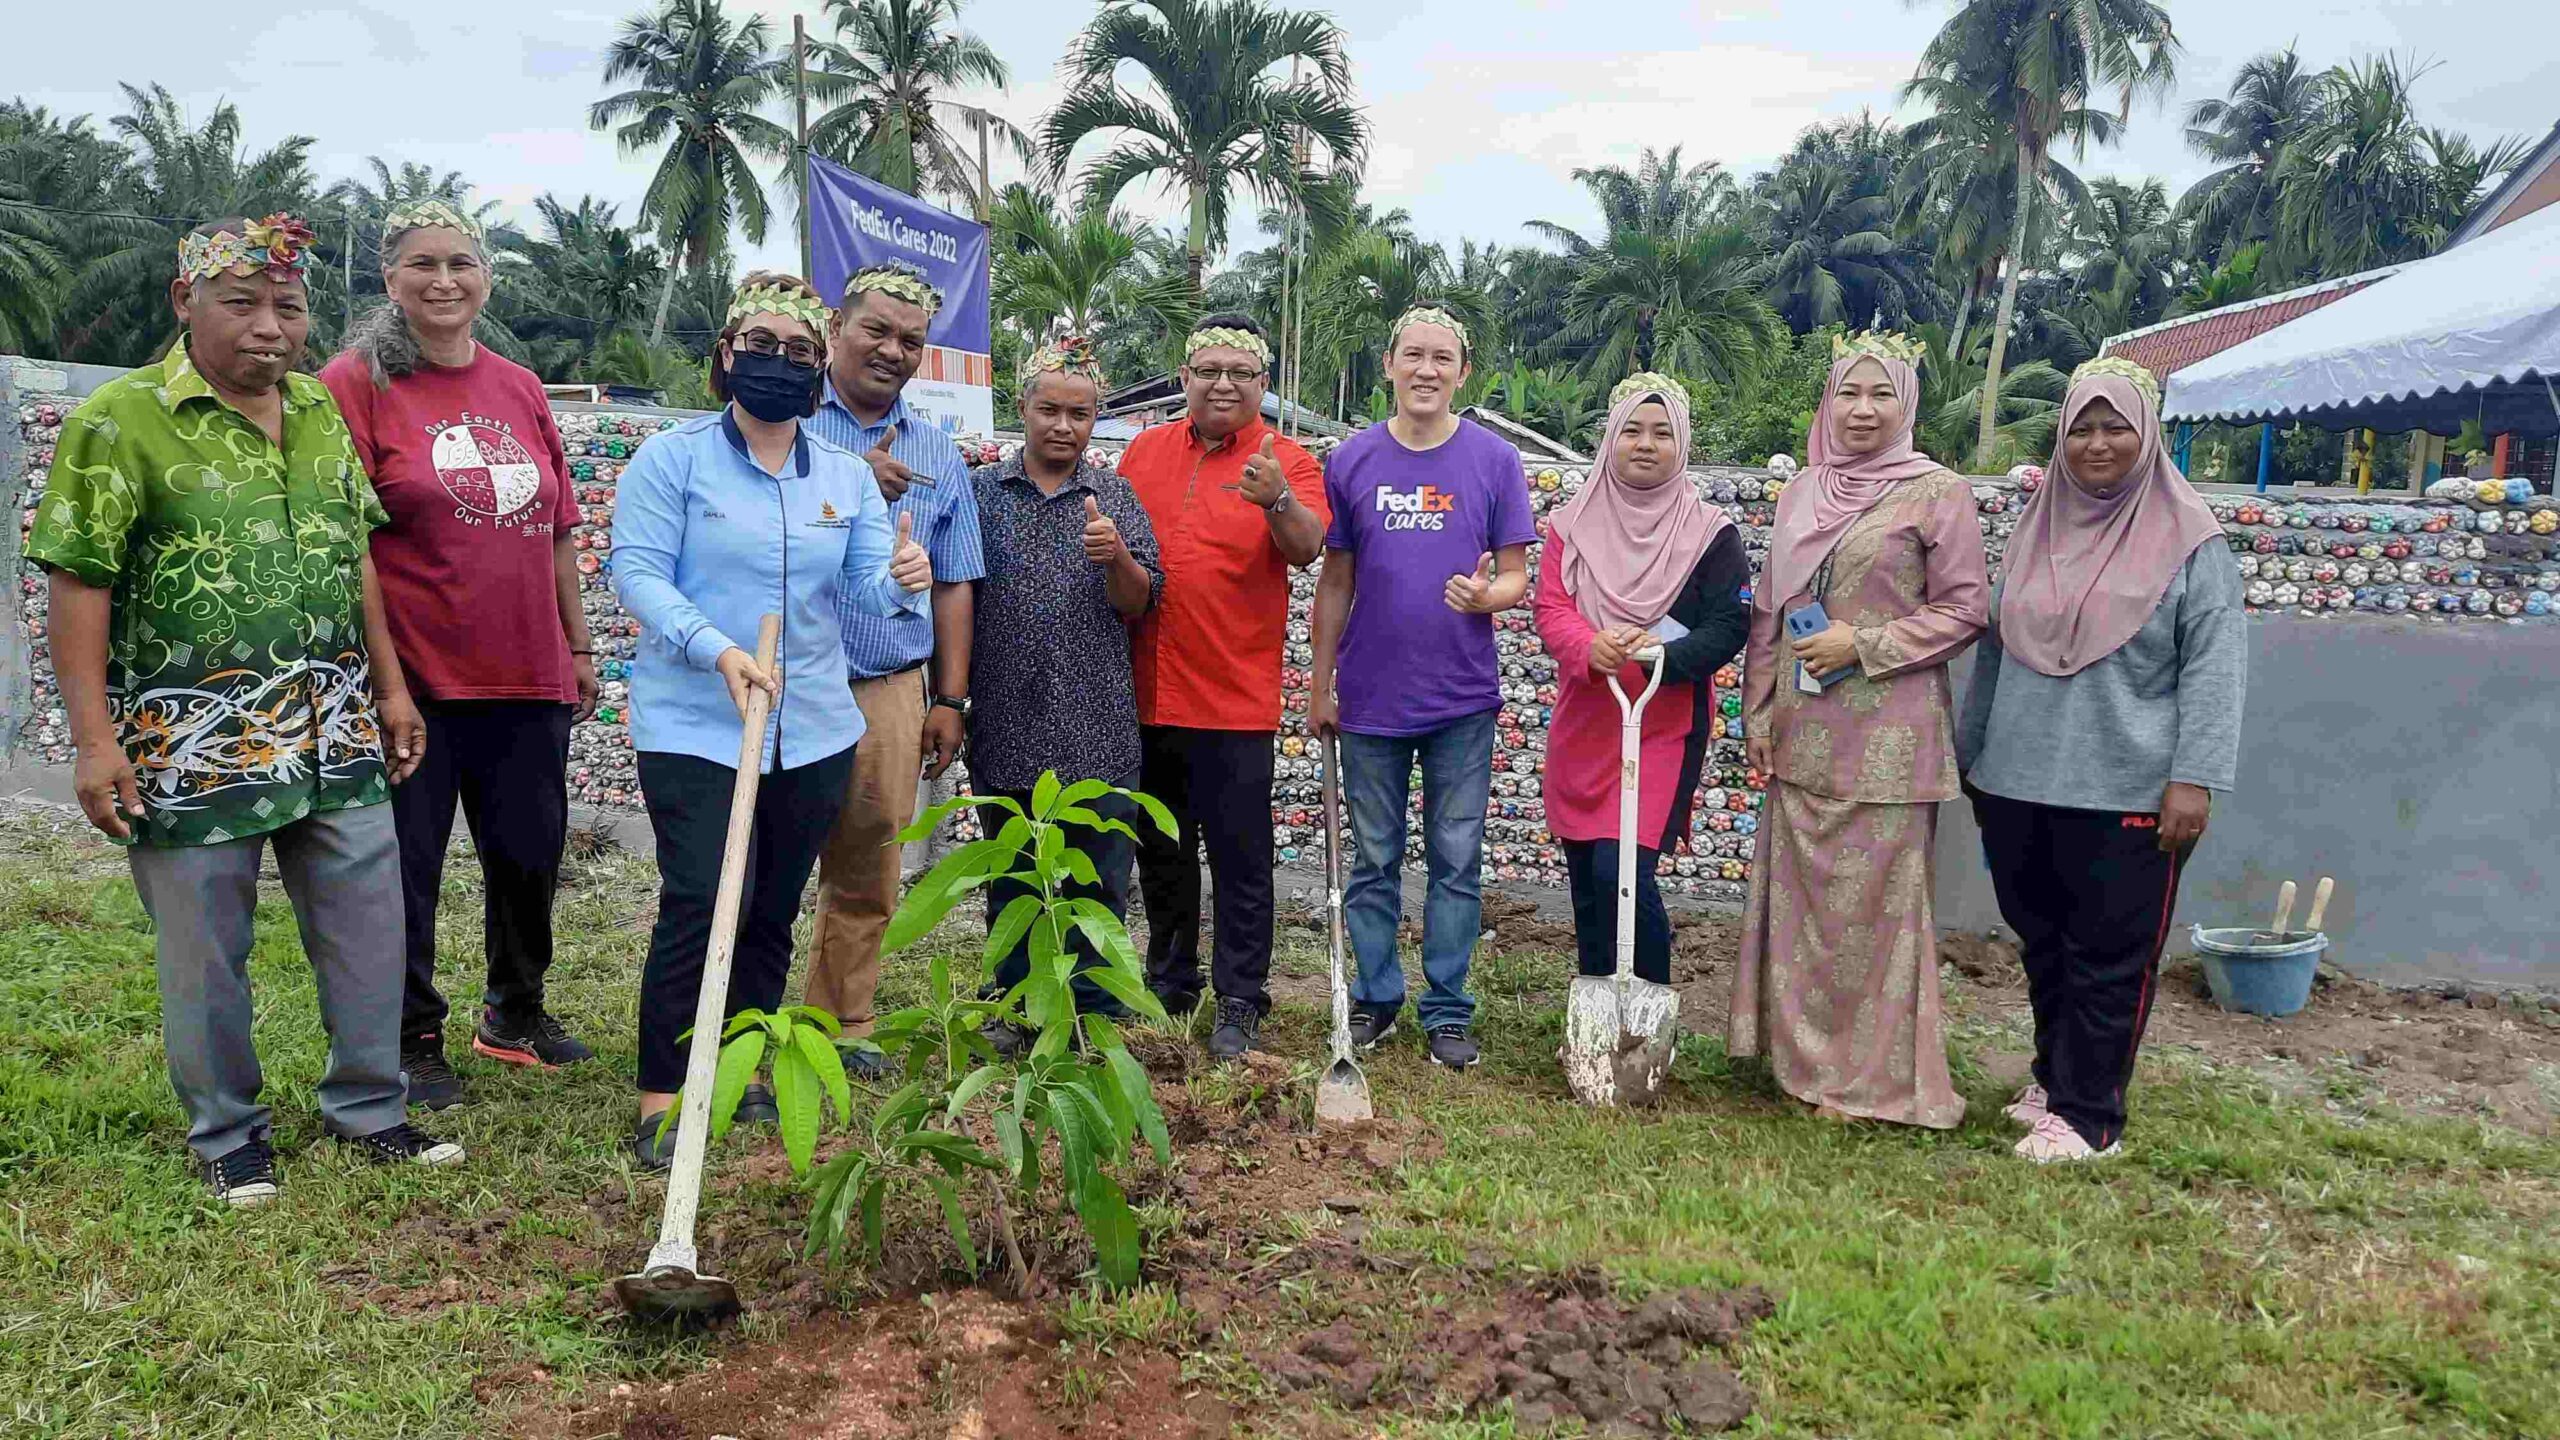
(1482, 108)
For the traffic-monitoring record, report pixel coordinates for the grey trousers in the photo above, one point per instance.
(341, 870)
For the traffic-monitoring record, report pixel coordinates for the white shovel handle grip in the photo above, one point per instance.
(1653, 653)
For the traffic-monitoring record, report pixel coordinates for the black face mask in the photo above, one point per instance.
(771, 388)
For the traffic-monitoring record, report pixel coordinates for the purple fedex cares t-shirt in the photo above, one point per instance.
(1409, 664)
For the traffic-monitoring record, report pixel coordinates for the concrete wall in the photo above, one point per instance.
(2412, 759)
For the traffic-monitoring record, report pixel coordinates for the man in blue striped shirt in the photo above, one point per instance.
(876, 343)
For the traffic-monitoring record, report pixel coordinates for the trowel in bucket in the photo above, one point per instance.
(670, 1286)
(1342, 1093)
(1619, 1031)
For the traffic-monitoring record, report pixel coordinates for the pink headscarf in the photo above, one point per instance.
(1628, 551)
(1819, 506)
(2084, 571)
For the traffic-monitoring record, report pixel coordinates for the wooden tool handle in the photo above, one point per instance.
(2320, 902)
(2284, 908)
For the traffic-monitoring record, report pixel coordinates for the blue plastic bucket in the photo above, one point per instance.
(2272, 978)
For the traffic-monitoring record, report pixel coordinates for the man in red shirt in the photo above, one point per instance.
(1233, 506)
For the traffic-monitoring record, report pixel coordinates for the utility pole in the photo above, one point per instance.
(349, 271)
(986, 188)
(800, 135)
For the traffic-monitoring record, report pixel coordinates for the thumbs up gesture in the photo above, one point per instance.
(909, 565)
(1264, 482)
(1102, 542)
(889, 470)
(1473, 594)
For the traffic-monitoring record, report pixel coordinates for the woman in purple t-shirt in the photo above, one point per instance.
(1429, 540)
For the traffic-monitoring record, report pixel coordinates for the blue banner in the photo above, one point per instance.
(855, 221)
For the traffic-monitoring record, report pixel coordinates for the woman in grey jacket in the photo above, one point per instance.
(2104, 713)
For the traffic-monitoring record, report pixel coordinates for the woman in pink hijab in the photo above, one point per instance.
(1635, 557)
(1846, 710)
(2104, 713)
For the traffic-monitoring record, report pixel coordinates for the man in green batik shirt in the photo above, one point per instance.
(230, 684)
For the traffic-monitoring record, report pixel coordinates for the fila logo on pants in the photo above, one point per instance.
(1424, 507)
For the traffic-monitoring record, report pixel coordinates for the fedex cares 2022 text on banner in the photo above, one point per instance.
(855, 221)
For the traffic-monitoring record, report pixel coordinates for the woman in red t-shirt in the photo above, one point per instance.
(480, 586)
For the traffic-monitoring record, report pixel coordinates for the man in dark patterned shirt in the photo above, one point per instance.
(1070, 561)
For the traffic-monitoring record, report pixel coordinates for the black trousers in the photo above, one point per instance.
(1591, 868)
(688, 799)
(1217, 783)
(506, 762)
(1111, 854)
(2089, 893)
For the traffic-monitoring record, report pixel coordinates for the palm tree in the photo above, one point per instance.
(1359, 289)
(2039, 62)
(2127, 245)
(701, 78)
(1660, 198)
(1830, 253)
(1690, 305)
(1052, 273)
(34, 270)
(1215, 115)
(2229, 283)
(885, 69)
(2246, 132)
(1553, 401)
(2029, 405)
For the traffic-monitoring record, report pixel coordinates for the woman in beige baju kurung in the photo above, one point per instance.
(1838, 979)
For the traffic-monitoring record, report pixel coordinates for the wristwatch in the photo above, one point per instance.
(1281, 505)
(947, 702)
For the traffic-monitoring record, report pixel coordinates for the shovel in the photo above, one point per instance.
(668, 1287)
(1342, 1095)
(2275, 933)
(1619, 1031)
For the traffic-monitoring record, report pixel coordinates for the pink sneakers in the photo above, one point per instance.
(2052, 1139)
(2028, 1108)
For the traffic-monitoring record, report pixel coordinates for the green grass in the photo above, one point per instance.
(2251, 1267)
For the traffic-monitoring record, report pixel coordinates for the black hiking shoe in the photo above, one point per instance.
(650, 1150)
(432, 1082)
(1239, 1025)
(1450, 1046)
(756, 1106)
(244, 1176)
(1369, 1027)
(403, 1144)
(538, 1043)
(1178, 1004)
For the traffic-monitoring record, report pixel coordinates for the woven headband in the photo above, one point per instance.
(903, 282)
(1428, 315)
(798, 305)
(279, 245)
(1072, 355)
(1649, 382)
(2125, 370)
(1227, 337)
(421, 214)
(1882, 344)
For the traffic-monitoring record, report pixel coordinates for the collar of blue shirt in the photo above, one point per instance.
(738, 442)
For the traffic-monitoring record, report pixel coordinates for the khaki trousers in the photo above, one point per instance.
(859, 873)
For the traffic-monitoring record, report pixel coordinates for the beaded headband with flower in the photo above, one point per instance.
(792, 304)
(1648, 382)
(1070, 355)
(897, 279)
(1226, 337)
(420, 214)
(1882, 344)
(1428, 315)
(279, 245)
(2125, 370)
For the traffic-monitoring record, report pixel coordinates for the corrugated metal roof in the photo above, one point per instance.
(2166, 349)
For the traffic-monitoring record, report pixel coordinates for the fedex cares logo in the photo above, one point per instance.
(1424, 507)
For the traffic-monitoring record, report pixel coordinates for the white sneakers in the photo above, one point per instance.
(2028, 1108)
(2051, 1139)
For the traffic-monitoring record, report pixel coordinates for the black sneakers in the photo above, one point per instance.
(1369, 1027)
(1008, 1040)
(244, 1177)
(649, 1149)
(756, 1106)
(1450, 1046)
(540, 1042)
(869, 1067)
(432, 1082)
(1177, 1003)
(1239, 1024)
(402, 1144)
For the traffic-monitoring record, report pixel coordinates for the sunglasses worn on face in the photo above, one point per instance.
(760, 341)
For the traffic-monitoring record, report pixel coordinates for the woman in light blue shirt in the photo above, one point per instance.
(720, 522)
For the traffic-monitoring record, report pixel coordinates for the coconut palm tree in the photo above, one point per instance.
(1689, 304)
(1660, 197)
(2127, 247)
(2037, 64)
(885, 75)
(2245, 132)
(1212, 112)
(1831, 252)
(700, 78)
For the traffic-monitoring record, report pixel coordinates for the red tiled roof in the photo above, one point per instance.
(2165, 349)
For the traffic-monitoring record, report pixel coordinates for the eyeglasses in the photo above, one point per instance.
(1237, 378)
(804, 353)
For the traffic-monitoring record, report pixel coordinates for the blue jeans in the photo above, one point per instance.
(1457, 779)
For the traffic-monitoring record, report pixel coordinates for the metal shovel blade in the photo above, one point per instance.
(1614, 1053)
(671, 1292)
(1342, 1093)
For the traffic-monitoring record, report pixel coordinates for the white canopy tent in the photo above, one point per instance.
(2473, 333)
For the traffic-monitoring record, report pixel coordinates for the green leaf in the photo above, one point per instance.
(1077, 794)
(743, 1020)
(1107, 1108)
(1105, 1212)
(1093, 820)
(826, 1189)
(840, 1215)
(1107, 933)
(1053, 845)
(1044, 794)
(738, 1061)
(796, 1093)
(1100, 1033)
(968, 1089)
(812, 1015)
(940, 888)
(956, 1221)
(1079, 866)
(874, 1228)
(931, 820)
(1156, 812)
(827, 1064)
(1009, 1140)
(1142, 1102)
(887, 1114)
(1010, 927)
(1080, 1138)
(1120, 986)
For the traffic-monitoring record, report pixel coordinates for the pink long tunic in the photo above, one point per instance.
(1581, 781)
